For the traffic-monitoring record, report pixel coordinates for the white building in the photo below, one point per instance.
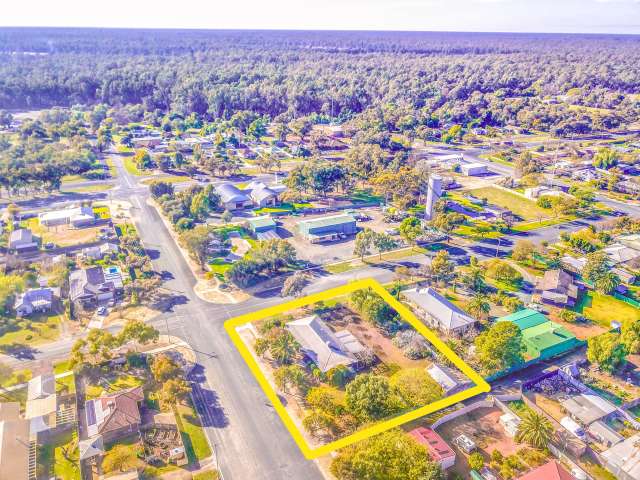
(623, 459)
(21, 240)
(34, 300)
(473, 169)
(76, 217)
(437, 311)
(448, 379)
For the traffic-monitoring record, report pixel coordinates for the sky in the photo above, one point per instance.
(572, 16)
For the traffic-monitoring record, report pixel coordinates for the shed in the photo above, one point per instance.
(473, 169)
(261, 224)
(328, 227)
(438, 449)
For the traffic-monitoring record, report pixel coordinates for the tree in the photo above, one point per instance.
(416, 387)
(447, 222)
(294, 284)
(370, 397)
(500, 347)
(383, 243)
(479, 307)
(523, 250)
(607, 351)
(119, 459)
(293, 375)
(607, 283)
(163, 368)
(174, 390)
(630, 335)
(159, 188)
(596, 266)
(476, 461)
(284, 348)
(197, 242)
(364, 240)
(142, 159)
(606, 158)
(10, 285)
(535, 429)
(226, 216)
(139, 331)
(391, 455)
(503, 272)
(443, 268)
(410, 229)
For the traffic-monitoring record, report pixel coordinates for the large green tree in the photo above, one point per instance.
(499, 347)
(535, 429)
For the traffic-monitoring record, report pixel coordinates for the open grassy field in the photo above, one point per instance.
(602, 309)
(59, 457)
(36, 330)
(523, 207)
(168, 179)
(193, 436)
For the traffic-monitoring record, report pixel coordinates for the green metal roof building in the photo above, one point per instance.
(542, 338)
(261, 224)
(327, 226)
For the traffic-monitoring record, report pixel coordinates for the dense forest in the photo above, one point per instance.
(394, 81)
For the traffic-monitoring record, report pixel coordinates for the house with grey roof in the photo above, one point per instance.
(449, 380)
(623, 459)
(557, 287)
(256, 194)
(94, 284)
(22, 240)
(436, 311)
(232, 197)
(322, 346)
(99, 251)
(587, 408)
(35, 300)
(77, 217)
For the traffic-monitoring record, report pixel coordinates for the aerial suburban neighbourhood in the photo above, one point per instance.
(275, 254)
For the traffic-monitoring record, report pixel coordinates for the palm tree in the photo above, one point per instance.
(607, 283)
(284, 348)
(535, 429)
(479, 307)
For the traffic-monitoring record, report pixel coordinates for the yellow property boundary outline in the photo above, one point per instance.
(230, 326)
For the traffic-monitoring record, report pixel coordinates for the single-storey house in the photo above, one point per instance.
(552, 470)
(325, 348)
(263, 227)
(263, 195)
(328, 228)
(438, 449)
(91, 448)
(114, 416)
(94, 284)
(542, 338)
(436, 311)
(41, 386)
(541, 191)
(620, 253)
(14, 442)
(146, 142)
(623, 459)
(556, 287)
(255, 194)
(77, 217)
(449, 380)
(21, 240)
(473, 169)
(587, 408)
(99, 251)
(42, 413)
(34, 300)
(604, 434)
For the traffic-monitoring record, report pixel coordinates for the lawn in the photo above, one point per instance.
(39, 329)
(374, 259)
(282, 208)
(365, 195)
(209, 475)
(603, 309)
(219, 267)
(98, 187)
(118, 382)
(59, 457)
(193, 436)
(17, 377)
(523, 207)
(168, 179)
(131, 167)
(470, 231)
(102, 212)
(534, 225)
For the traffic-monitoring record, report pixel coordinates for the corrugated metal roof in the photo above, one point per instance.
(327, 221)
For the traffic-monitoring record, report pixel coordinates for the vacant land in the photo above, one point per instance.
(522, 207)
(34, 330)
(62, 235)
(602, 309)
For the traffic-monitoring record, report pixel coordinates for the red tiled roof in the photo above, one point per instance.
(549, 471)
(437, 447)
(124, 409)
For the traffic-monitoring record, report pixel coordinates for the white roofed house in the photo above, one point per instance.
(325, 348)
(437, 311)
(450, 380)
(623, 459)
(76, 217)
(232, 197)
(21, 240)
(42, 403)
(99, 251)
(35, 300)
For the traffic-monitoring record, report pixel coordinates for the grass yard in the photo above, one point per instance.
(117, 382)
(471, 232)
(209, 475)
(282, 208)
(365, 195)
(219, 267)
(39, 329)
(603, 309)
(168, 179)
(523, 207)
(534, 225)
(374, 259)
(102, 212)
(131, 167)
(59, 457)
(17, 377)
(98, 187)
(193, 436)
